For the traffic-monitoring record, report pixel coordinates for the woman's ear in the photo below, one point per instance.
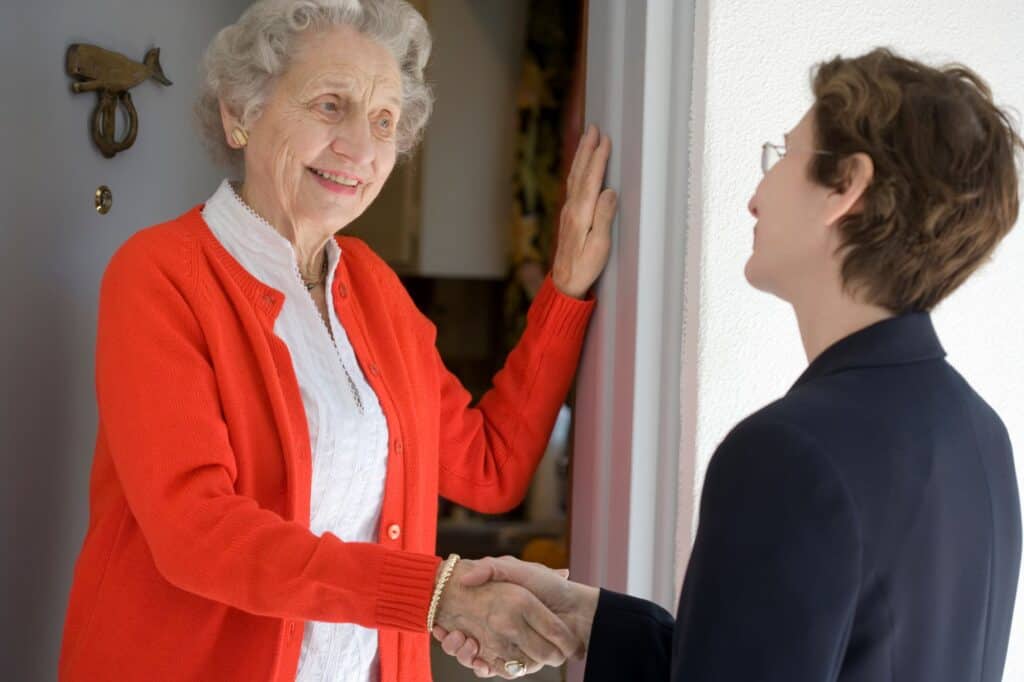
(234, 132)
(858, 172)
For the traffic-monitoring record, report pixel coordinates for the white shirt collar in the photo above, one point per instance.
(254, 243)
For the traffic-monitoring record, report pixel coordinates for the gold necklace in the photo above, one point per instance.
(315, 283)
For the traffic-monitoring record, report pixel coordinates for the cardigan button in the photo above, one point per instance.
(398, 446)
(394, 531)
(342, 290)
(291, 630)
(374, 370)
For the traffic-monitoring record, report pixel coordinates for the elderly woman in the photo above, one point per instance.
(866, 526)
(275, 424)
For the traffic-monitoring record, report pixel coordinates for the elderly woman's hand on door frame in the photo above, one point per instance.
(584, 235)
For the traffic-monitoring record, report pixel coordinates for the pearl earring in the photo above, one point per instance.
(240, 137)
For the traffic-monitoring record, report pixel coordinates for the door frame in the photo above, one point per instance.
(628, 477)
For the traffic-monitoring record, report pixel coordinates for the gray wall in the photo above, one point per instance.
(54, 249)
(469, 147)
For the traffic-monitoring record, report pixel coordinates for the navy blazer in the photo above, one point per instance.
(864, 528)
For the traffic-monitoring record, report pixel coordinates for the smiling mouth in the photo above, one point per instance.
(343, 180)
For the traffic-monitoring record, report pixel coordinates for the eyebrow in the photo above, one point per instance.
(346, 84)
(389, 97)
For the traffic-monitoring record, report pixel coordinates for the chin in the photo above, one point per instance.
(757, 278)
(750, 272)
(333, 215)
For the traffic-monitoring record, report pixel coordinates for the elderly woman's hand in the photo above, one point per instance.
(573, 603)
(584, 235)
(505, 621)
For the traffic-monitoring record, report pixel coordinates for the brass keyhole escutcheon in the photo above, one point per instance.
(104, 200)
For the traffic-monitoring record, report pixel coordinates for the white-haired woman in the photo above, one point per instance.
(275, 425)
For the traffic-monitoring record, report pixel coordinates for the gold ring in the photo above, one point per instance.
(515, 668)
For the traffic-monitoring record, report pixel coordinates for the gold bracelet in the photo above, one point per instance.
(446, 573)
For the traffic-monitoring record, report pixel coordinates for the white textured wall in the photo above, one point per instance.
(752, 85)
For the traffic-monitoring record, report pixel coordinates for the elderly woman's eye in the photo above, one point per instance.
(328, 106)
(385, 125)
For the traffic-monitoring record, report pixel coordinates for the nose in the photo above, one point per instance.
(751, 206)
(354, 142)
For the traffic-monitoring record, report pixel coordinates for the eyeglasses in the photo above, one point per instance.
(771, 154)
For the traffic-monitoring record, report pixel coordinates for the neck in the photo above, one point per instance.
(308, 241)
(828, 316)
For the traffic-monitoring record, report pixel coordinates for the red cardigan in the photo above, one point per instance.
(198, 563)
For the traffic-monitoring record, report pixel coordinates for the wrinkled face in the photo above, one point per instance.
(325, 142)
(794, 245)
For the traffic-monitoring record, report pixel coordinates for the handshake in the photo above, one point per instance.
(508, 618)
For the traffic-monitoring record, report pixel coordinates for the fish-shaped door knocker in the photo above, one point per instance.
(111, 75)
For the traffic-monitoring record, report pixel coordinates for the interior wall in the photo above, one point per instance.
(469, 148)
(53, 249)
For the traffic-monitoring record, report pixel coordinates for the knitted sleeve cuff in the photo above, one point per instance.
(406, 586)
(561, 314)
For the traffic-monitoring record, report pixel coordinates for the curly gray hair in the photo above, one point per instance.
(243, 60)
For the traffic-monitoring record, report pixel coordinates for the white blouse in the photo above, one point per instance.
(347, 429)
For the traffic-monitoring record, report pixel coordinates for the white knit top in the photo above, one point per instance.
(347, 429)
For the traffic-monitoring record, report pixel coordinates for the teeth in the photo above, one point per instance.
(348, 182)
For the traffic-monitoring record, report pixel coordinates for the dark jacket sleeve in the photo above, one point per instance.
(631, 640)
(772, 582)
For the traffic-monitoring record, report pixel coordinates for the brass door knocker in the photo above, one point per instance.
(111, 76)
